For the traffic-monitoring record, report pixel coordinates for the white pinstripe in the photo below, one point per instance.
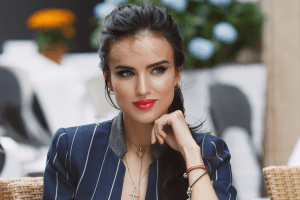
(59, 138)
(216, 150)
(228, 186)
(54, 158)
(47, 162)
(209, 167)
(73, 192)
(100, 173)
(71, 148)
(215, 147)
(56, 147)
(156, 179)
(86, 161)
(226, 151)
(56, 185)
(114, 180)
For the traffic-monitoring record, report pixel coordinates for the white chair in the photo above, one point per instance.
(295, 157)
(16, 108)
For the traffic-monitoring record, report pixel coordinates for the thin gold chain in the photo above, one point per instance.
(131, 176)
(135, 144)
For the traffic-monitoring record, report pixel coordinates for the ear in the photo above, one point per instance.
(105, 75)
(178, 74)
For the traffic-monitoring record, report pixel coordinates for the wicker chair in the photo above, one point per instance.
(21, 188)
(283, 182)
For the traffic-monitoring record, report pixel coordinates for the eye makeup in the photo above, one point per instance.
(128, 73)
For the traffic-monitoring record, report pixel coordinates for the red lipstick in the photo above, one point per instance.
(145, 104)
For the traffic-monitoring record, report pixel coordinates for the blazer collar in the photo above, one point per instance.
(117, 141)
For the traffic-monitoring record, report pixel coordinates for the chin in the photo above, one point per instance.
(145, 116)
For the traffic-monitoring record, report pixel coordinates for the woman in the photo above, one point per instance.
(145, 150)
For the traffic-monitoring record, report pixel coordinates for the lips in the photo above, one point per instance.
(145, 104)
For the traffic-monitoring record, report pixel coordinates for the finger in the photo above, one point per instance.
(158, 136)
(159, 128)
(153, 138)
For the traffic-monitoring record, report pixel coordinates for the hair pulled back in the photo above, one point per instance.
(129, 21)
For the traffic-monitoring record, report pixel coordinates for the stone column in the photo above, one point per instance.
(281, 56)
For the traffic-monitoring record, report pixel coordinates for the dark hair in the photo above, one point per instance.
(129, 21)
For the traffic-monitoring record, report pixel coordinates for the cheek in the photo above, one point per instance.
(164, 86)
(123, 91)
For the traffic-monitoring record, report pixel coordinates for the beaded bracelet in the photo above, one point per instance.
(189, 190)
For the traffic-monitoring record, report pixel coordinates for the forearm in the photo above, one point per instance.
(203, 188)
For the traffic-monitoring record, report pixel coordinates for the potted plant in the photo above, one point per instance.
(54, 31)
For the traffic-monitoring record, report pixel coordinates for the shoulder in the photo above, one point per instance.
(76, 143)
(80, 135)
(83, 131)
(212, 146)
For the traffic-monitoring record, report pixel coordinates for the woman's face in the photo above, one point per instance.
(142, 67)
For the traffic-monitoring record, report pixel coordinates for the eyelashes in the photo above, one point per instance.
(125, 73)
(128, 73)
(159, 70)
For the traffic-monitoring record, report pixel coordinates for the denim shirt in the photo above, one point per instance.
(85, 162)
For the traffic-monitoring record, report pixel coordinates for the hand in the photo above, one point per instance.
(178, 137)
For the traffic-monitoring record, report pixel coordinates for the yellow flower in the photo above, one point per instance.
(51, 18)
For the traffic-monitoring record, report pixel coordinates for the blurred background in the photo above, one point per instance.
(241, 79)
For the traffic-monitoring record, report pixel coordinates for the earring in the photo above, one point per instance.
(111, 92)
(177, 86)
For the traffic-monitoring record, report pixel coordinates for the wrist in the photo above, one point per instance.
(192, 155)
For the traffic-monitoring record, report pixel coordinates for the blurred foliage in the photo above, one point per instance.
(200, 17)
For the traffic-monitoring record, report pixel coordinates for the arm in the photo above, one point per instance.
(217, 185)
(203, 188)
(58, 182)
(220, 169)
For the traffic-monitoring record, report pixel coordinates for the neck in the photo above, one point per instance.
(139, 134)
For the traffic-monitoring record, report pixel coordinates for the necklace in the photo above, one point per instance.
(141, 149)
(135, 186)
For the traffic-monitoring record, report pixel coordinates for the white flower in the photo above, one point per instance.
(101, 10)
(225, 32)
(201, 48)
(179, 5)
(220, 2)
(118, 1)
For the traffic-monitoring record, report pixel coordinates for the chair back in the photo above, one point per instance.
(17, 114)
(229, 107)
(21, 188)
(283, 182)
(2, 157)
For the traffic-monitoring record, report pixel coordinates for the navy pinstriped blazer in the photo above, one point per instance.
(85, 163)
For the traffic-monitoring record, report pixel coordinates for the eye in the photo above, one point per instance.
(159, 70)
(125, 73)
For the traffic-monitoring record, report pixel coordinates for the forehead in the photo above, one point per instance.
(141, 50)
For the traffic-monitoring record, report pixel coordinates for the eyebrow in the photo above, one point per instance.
(149, 66)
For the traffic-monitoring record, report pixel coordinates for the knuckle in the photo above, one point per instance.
(178, 113)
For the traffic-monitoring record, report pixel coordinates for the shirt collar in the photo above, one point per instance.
(117, 141)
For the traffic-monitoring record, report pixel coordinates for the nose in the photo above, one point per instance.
(142, 87)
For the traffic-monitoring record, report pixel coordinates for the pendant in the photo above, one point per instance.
(134, 195)
(189, 192)
(140, 152)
